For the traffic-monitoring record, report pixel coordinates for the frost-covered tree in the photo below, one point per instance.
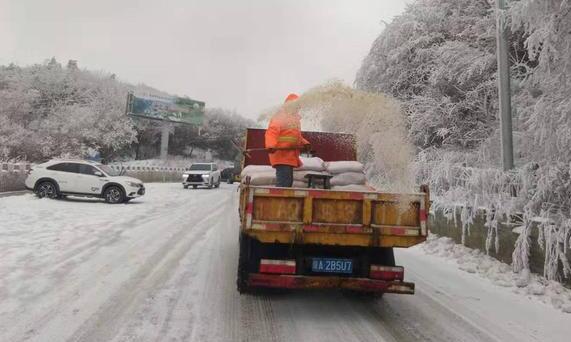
(438, 59)
(544, 97)
(47, 111)
(224, 131)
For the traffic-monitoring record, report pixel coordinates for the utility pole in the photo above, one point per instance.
(504, 87)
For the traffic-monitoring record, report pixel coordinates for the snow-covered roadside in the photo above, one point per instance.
(452, 297)
(525, 283)
(63, 262)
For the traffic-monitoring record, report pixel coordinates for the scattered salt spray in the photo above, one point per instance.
(376, 120)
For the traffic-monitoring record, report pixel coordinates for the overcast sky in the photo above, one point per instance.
(242, 55)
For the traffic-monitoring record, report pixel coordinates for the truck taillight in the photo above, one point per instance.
(277, 266)
(388, 273)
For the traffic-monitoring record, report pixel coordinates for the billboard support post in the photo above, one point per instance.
(165, 132)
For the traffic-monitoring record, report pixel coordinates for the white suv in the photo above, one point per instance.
(206, 174)
(58, 178)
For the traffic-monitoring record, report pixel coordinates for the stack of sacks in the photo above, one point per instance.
(265, 175)
(313, 165)
(347, 175)
(259, 174)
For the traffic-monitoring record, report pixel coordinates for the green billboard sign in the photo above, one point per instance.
(166, 108)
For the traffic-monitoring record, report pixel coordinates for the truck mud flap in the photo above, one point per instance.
(321, 282)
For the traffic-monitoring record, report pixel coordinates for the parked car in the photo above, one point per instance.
(201, 174)
(230, 175)
(59, 178)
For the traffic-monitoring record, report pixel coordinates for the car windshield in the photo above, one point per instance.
(200, 167)
(109, 171)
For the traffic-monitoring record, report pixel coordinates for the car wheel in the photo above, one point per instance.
(47, 189)
(185, 186)
(114, 195)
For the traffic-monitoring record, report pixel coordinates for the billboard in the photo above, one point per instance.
(166, 108)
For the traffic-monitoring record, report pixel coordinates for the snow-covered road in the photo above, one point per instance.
(162, 268)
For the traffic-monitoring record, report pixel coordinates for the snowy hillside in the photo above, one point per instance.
(438, 59)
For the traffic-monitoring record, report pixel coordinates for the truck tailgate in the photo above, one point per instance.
(328, 217)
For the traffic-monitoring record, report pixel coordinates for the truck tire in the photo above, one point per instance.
(247, 262)
(242, 279)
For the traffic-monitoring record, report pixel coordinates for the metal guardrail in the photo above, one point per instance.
(15, 167)
(13, 175)
(148, 168)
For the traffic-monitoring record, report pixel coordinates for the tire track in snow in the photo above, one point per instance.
(79, 297)
(105, 323)
(172, 308)
(220, 308)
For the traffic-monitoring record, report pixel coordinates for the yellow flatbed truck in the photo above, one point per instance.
(319, 238)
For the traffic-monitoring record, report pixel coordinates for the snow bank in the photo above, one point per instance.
(524, 283)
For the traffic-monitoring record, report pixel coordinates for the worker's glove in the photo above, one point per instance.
(307, 148)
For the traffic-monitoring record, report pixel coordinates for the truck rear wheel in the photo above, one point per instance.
(247, 262)
(242, 280)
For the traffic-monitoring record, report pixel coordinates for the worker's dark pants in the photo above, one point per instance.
(284, 176)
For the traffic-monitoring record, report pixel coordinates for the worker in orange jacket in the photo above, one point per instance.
(284, 143)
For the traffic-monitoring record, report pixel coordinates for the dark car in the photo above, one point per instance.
(230, 175)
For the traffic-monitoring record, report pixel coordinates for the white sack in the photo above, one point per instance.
(250, 169)
(311, 164)
(262, 178)
(349, 178)
(337, 167)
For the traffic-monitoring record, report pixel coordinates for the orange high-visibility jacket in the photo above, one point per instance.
(284, 130)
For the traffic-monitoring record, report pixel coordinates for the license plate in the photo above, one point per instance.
(332, 265)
